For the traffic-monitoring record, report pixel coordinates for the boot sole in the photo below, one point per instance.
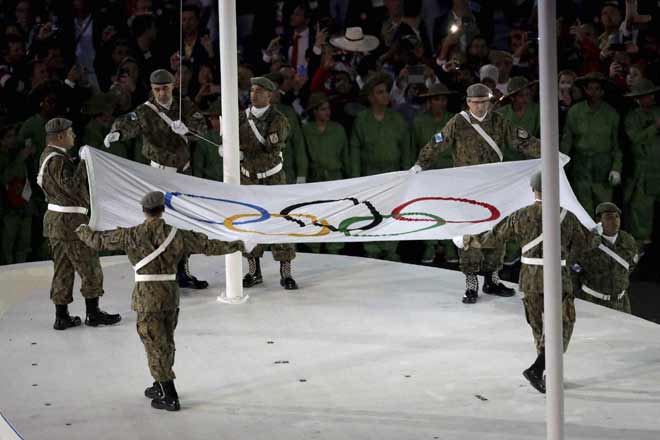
(163, 407)
(531, 381)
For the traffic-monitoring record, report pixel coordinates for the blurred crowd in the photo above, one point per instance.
(90, 61)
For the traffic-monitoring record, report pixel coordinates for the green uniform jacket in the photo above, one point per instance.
(140, 241)
(295, 156)
(469, 148)
(329, 156)
(604, 274)
(530, 120)
(523, 226)
(591, 138)
(379, 146)
(33, 129)
(645, 141)
(424, 127)
(207, 162)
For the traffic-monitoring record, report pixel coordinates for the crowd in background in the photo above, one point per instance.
(90, 61)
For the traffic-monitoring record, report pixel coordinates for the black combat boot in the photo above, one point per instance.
(63, 320)
(471, 288)
(154, 391)
(253, 277)
(534, 374)
(286, 280)
(493, 286)
(185, 279)
(169, 400)
(96, 316)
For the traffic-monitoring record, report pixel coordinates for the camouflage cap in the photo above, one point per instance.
(535, 181)
(153, 199)
(263, 82)
(607, 207)
(58, 125)
(315, 100)
(161, 77)
(479, 90)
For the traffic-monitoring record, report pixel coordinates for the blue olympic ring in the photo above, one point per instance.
(265, 215)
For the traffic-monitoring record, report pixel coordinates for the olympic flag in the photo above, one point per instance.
(435, 204)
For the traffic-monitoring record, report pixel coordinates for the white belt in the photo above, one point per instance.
(67, 209)
(536, 261)
(599, 295)
(155, 277)
(169, 169)
(276, 169)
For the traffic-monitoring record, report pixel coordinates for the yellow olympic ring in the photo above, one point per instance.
(229, 224)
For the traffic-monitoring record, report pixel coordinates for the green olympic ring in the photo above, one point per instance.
(346, 223)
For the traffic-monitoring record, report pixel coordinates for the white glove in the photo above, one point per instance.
(301, 179)
(249, 245)
(110, 138)
(415, 169)
(615, 178)
(458, 241)
(598, 229)
(180, 128)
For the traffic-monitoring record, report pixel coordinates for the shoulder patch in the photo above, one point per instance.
(274, 138)
(132, 116)
(438, 138)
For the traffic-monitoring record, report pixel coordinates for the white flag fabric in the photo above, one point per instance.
(434, 204)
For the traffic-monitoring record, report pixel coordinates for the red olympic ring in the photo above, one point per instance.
(494, 212)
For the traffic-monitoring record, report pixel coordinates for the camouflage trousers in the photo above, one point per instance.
(69, 257)
(622, 305)
(534, 313)
(156, 330)
(476, 260)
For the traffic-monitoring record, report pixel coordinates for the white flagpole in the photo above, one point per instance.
(552, 290)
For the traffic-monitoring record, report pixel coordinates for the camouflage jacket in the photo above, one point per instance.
(65, 184)
(160, 144)
(274, 128)
(140, 241)
(601, 272)
(523, 226)
(469, 148)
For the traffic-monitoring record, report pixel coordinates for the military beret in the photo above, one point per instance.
(607, 207)
(58, 125)
(535, 181)
(161, 76)
(263, 82)
(479, 90)
(153, 199)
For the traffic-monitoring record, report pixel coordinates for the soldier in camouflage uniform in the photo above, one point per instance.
(263, 133)
(476, 137)
(166, 141)
(525, 227)
(65, 186)
(605, 271)
(154, 248)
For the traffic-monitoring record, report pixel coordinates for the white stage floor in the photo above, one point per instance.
(365, 350)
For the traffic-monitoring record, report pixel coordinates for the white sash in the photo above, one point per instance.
(165, 118)
(594, 293)
(484, 135)
(253, 126)
(40, 176)
(616, 257)
(537, 241)
(67, 209)
(152, 256)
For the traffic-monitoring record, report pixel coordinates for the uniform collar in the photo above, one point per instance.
(63, 150)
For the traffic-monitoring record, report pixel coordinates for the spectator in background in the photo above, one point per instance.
(207, 156)
(567, 94)
(208, 88)
(504, 62)
(459, 24)
(517, 106)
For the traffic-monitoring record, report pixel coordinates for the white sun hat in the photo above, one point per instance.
(354, 40)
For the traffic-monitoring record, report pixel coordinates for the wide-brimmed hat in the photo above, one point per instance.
(517, 84)
(643, 87)
(594, 76)
(375, 80)
(315, 100)
(436, 89)
(354, 40)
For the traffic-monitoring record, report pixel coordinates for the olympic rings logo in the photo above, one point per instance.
(351, 226)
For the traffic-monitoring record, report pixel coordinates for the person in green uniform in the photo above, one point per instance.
(295, 155)
(643, 128)
(15, 206)
(380, 143)
(591, 138)
(327, 150)
(425, 125)
(100, 109)
(207, 157)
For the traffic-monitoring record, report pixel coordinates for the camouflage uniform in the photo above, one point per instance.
(65, 184)
(523, 226)
(156, 302)
(469, 148)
